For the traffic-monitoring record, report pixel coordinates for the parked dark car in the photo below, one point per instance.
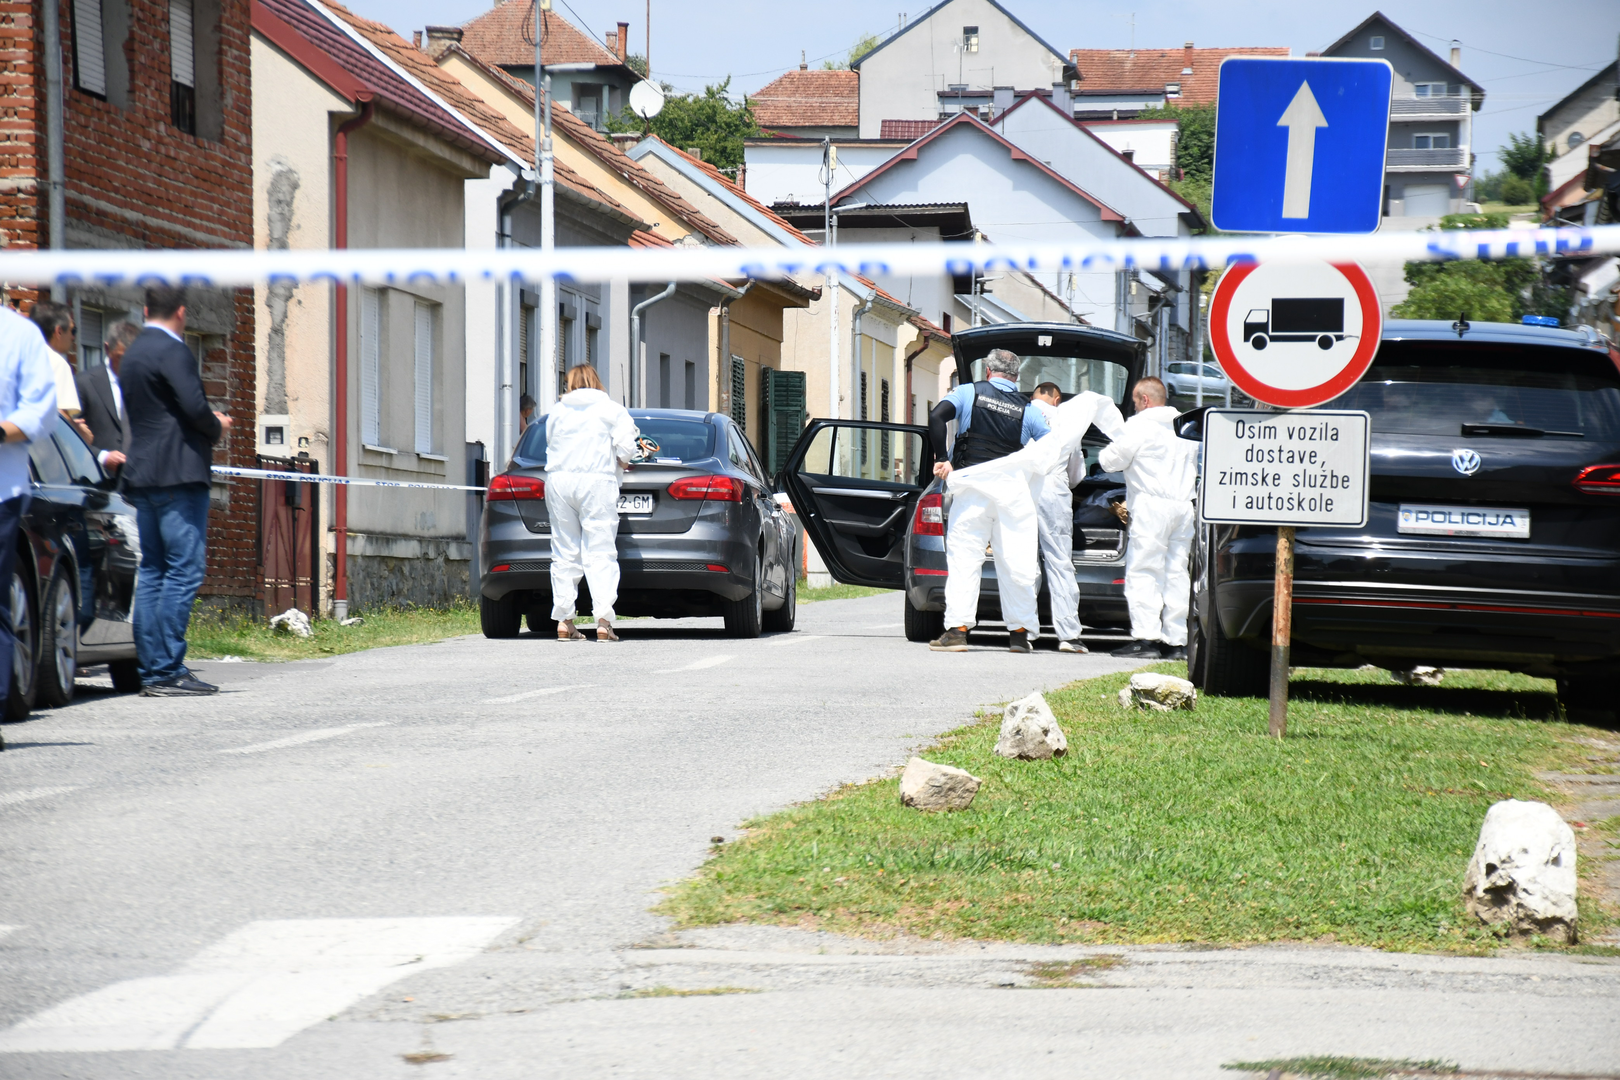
(1465, 425)
(73, 581)
(868, 498)
(700, 533)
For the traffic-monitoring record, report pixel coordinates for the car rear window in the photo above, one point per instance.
(664, 439)
(1072, 374)
(1489, 390)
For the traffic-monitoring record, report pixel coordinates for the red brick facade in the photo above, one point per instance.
(134, 179)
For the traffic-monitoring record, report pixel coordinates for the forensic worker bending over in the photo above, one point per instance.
(993, 420)
(1160, 473)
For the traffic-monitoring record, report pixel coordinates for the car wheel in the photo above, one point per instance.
(1197, 650)
(782, 619)
(745, 617)
(1587, 700)
(923, 626)
(1229, 668)
(25, 655)
(126, 676)
(58, 644)
(500, 618)
(540, 620)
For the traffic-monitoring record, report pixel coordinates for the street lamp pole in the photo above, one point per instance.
(546, 362)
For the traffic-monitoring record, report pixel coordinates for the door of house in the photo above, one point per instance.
(289, 538)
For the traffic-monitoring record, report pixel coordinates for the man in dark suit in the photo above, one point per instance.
(170, 447)
(102, 400)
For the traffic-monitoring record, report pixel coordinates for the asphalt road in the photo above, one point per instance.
(442, 857)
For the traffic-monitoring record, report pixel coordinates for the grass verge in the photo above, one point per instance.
(1344, 1068)
(212, 636)
(835, 591)
(1188, 827)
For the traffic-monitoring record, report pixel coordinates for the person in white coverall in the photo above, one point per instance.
(590, 440)
(1161, 471)
(1055, 516)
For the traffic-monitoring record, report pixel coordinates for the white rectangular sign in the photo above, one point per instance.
(1303, 467)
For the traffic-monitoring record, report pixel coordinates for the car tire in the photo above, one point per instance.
(540, 621)
(782, 619)
(500, 618)
(1228, 668)
(1587, 699)
(126, 676)
(923, 626)
(25, 655)
(745, 617)
(58, 643)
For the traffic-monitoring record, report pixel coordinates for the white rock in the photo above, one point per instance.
(356, 621)
(1522, 875)
(1422, 675)
(927, 786)
(1030, 732)
(292, 621)
(1160, 693)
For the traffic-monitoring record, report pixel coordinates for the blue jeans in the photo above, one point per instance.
(173, 526)
(11, 513)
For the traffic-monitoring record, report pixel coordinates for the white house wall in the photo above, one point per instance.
(1152, 142)
(791, 172)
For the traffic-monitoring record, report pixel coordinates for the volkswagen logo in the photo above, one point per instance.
(1465, 461)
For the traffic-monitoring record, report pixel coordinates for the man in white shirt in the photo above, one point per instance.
(27, 408)
(56, 326)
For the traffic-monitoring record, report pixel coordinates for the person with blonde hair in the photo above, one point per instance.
(590, 440)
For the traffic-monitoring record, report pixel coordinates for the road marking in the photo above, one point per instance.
(4, 930)
(303, 737)
(788, 639)
(255, 988)
(697, 665)
(26, 794)
(510, 698)
(883, 626)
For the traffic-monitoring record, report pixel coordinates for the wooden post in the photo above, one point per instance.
(1282, 630)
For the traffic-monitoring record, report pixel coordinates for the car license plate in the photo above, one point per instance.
(1490, 521)
(635, 504)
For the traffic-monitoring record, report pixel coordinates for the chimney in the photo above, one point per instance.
(416, 38)
(1456, 53)
(695, 151)
(803, 66)
(1001, 99)
(440, 38)
(1186, 58)
(624, 41)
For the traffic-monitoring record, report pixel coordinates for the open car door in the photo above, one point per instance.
(855, 484)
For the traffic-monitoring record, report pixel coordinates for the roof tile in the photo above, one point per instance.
(504, 35)
(805, 98)
(1148, 70)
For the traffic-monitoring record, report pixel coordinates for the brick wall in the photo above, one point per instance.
(136, 180)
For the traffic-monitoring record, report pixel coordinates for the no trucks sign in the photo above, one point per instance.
(1285, 468)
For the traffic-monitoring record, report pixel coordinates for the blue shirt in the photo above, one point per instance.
(1035, 424)
(27, 396)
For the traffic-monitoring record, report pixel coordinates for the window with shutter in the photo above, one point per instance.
(89, 48)
(565, 353)
(739, 392)
(91, 334)
(525, 321)
(424, 378)
(370, 351)
(182, 66)
(782, 402)
(883, 415)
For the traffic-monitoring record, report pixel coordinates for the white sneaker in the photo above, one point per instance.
(1075, 646)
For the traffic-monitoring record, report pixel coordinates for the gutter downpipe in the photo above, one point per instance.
(55, 176)
(340, 381)
(506, 341)
(855, 359)
(722, 382)
(635, 394)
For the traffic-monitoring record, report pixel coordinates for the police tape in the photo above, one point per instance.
(459, 266)
(317, 478)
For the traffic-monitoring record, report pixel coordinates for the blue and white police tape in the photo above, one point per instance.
(317, 478)
(457, 266)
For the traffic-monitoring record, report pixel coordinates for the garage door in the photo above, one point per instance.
(1427, 200)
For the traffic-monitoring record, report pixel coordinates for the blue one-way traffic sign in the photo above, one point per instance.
(1299, 145)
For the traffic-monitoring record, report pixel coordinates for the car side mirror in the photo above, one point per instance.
(1190, 425)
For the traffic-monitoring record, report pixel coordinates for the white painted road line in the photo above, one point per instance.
(4, 930)
(26, 794)
(788, 639)
(511, 698)
(256, 988)
(303, 737)
(697, 665)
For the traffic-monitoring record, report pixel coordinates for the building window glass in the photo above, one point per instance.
(89, 48)
(665, 373)
(691, 385)
(970, 39)
(370, 354)
(1431, 142)
(425, 319)
(1377, 43)
(92, 331)
(182, 66)
(565, 352)
(526, 314)
(1429, 89)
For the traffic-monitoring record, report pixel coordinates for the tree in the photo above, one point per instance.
(1195, 151)
(1504, 290)
(711, 122)
(1525, 157)
(636, 63)
(864, 45)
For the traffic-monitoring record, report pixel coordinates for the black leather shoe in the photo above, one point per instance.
(184, 686)
(1175, 652)
(1018, 641)
(1139, 650)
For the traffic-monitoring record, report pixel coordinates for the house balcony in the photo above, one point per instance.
(1428, 108)
(1451, 157)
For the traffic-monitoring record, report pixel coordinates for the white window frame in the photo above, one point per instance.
(1377, 43)
(424, 339)
(370, 333)
(89, 48)
(1431, 136)
(970, 39)
(1427, 90)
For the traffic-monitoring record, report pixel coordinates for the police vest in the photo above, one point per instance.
(995, 426)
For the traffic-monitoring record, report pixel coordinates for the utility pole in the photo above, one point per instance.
(829, 159)
(649, 40)
(546, 362)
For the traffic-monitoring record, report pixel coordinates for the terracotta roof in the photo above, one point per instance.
(606, 151)
(503, 35)
(808, 99)
(930, 328)
(730, 184)
(1148, 70)
(641, 238)
(907, 129)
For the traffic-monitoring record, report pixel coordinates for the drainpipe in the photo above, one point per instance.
(55, 177)
(635, 343)
(340, 381)
(505, 340)
(722, 372)
(856, 361)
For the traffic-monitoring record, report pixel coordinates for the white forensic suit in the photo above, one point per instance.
(1055, 516)
(996, 501)
(587, 435)
(1161, 471)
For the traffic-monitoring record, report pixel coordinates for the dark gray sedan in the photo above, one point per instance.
(699, 533)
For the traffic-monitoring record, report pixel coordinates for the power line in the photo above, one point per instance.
(1508, 56)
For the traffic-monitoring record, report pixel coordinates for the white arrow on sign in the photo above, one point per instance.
(1302, 117)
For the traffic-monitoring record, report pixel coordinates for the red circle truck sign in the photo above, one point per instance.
(1295, 334)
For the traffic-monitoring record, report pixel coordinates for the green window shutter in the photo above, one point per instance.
(739, 392)
(782, 401)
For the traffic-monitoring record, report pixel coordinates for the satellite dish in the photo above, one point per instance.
(646, 100)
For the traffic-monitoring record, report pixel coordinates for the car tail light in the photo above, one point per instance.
(718, 568)
(930, 519)
(510, 487)
(717, 488)
(501, 569)
(1599, 480)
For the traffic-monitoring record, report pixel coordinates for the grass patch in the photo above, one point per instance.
(1344, 1068)
(426, 1057)
(212, 636)
(1055, 974)
(670, 991)
(835, 591)
(1188, 827)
